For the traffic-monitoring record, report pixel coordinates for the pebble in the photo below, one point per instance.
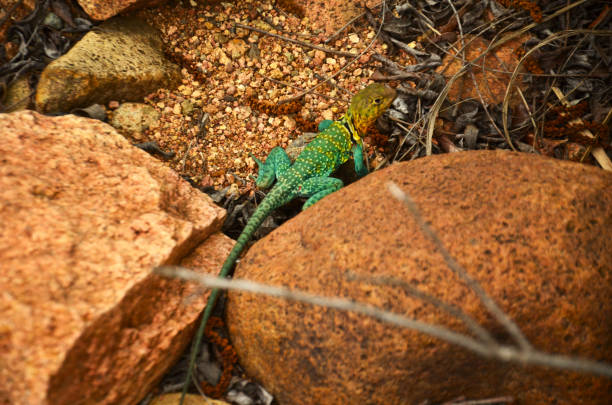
(319, 57)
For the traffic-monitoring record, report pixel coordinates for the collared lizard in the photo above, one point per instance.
(308, 176)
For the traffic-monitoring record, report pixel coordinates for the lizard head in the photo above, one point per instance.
(366, 106)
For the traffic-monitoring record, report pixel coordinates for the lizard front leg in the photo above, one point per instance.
(360, 167)
(276, 164)
(317, 188)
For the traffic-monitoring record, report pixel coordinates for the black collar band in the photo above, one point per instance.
(350, 128)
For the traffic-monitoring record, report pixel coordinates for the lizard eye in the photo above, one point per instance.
(377, 100)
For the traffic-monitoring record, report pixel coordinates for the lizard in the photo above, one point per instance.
(308, 176)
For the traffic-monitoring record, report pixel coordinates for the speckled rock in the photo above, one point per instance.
(122, 59)
(535, 232)
(84, 218)
(104, 9)
(134, 118)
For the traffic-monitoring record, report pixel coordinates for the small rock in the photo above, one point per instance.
(123, 59)
(176, 109)
(187, 107)
(220, 56)
(236, 48)
(53, 21)
(134, 118)
(319, 57)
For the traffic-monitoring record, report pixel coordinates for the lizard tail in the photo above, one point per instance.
(276, 197)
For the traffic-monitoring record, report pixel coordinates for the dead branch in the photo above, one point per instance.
(500, 352)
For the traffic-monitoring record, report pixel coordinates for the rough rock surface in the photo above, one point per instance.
(122, 59)
(104, 9)
(134, 118)
(535, 232)
(84, 218)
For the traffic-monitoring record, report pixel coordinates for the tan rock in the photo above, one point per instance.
(121, 59)
(134, 118)
(236, 48)
(103, 9)
(84, 218)
(18, 95)
(535, 232)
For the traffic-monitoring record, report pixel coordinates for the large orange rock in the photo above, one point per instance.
(84, 217)
(535, 232)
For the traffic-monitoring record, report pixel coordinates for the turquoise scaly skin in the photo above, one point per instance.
(308, 176)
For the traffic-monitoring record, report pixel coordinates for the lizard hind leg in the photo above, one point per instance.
(276, 164)
(318, 187)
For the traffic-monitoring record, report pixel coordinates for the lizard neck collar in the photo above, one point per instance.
(347, 122)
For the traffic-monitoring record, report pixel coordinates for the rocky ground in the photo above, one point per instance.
(200, 86)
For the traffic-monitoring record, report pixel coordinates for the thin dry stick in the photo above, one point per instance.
(329, 302)
(488, 302)
(500, 352)
(533, 123)
(435, 109)
(296, 41)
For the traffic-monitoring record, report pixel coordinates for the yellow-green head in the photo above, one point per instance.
(366, 106)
